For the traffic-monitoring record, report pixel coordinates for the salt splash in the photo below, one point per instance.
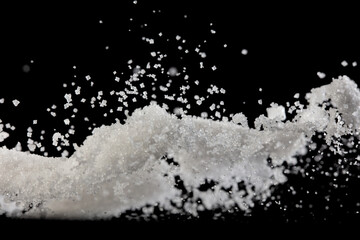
(122, 167)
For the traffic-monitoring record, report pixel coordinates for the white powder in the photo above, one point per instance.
(119, 167)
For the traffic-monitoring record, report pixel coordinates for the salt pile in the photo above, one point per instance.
(124, 166)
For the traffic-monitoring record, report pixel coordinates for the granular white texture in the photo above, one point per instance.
(121, 167)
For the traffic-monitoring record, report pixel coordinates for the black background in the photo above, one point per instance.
(287, 43)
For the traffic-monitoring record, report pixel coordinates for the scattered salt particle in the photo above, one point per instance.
(225, 45)
(276, 112)
(212, 31)
(260, 89)
(202, 55)
(103, 103)
(201, 65)
(64, 85)
(130, 61)
(74, 67)
(344, 63)
(354, 64)
(135, 2)
(31, 147)
(160, 34)
(83, 100)
(212, 107)
(77, 91)
(67, 121)
(297, 95)
(106, 47)
(153, 54)
(53, 114)
(172, 71)
(321, 75)
(213, 68)
(87, 77)
(196, 82)
(35, 121)
(68, 97)
(117, 79)
(221, 102)
(2, 100)
(26, 68)
(100, 21)
(15, 102)
(91, 84)
(260, 102)
(178, 37)
(53, 106)
(244, 52)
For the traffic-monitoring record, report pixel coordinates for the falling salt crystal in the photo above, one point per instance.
(225, 45)
(2, 100)
(354, 64)
(344, 63)
(87, 77)
(244, 52)
(26, 68)
(67, 121)
(260, 102)
(213, 68)
(16, 102)
(296, 95)
(321, 75)
(77, 91)
(173, 71)
(212, 31)
(276, 112)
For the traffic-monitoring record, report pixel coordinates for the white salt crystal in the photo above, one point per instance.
(321, 75)
(77, 91)
(87, 77)
(276, 112)
(244, 52)
(67, 121)
(16, 102)
(354, 64)
(344, 63)
(173, 71)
